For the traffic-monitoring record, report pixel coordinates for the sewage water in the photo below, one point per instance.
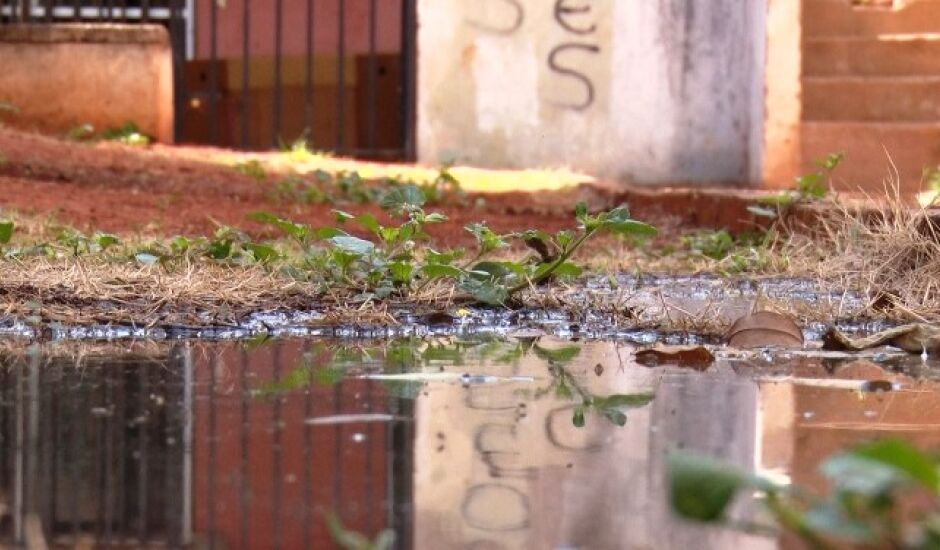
(443, 443)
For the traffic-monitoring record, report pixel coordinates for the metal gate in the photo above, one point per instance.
(338, 75)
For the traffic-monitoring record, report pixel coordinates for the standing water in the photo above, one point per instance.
(449, 443)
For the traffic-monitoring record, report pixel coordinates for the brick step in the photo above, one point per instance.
(886, 99)
(885, 55)
(828, 18)
(912, 147)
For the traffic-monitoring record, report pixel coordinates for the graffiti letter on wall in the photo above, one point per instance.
(588, 85)
(562, 12)
(509, 28)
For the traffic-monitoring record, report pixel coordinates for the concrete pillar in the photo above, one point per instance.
(658, 91)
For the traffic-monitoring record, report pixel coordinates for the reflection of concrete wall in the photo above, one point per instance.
(647, 91)
(61, 76)
(496, 469)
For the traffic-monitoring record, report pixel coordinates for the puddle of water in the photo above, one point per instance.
(446, 443)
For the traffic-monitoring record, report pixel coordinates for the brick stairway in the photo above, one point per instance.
(871, 83)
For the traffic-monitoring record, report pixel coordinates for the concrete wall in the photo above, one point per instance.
(62, 76)
(657, 91)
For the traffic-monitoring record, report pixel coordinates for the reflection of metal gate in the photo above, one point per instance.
(338, 74)
(195, 445)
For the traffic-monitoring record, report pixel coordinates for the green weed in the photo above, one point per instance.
(252, 168)
(869, 486)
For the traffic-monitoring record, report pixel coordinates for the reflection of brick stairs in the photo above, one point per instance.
(871, 82)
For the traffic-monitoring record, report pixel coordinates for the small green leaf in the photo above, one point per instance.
(353, 245)
(369, 222)
(437, 271)
(262, 253)
(6, 231)
(401, 271)
(104, 240)
(577, 417)
(762, 211)
(297, 230)
(220, 249)
(615, 416)
(146, 258)
(484, 290)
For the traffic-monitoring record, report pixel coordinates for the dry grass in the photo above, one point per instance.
(89, 290)
(889, 250)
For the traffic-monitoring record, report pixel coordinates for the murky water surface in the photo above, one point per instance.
(445, 443)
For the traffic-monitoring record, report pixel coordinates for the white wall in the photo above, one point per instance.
(640, 90)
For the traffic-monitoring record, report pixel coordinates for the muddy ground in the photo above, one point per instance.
(167, 190)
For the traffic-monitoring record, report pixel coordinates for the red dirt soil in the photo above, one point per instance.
(162, 190)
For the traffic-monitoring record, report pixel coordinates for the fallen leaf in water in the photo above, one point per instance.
(913, 338)
(764, 329)
(696, 357)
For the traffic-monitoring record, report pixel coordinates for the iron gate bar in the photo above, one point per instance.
(246, 52)
(340, 78)
(276, 448)
(278, 27)
(308, 78)
(243, 481)
(308, 443)
(370, 123)
(213, 106)
(409, 80)
(210, 504)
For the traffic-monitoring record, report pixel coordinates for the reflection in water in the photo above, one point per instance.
(222, 446)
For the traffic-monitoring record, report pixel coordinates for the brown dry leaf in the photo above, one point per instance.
(696, 357)
(764, 329)
(913, 338)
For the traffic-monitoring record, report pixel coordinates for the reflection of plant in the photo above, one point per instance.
(565, 386)
(864, 507)
(351, 540)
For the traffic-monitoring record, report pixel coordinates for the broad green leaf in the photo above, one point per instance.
(701, 488)
(490, 270)
(401, 271)
(262, 253)
(353, 245)
(487, 240)
(580, 211)
(324, 233)
(369, 222)
(484, 290)
(850, 473)
(146, 258)
(6, 231)
(568, 270)
(903, 458)
(435, 217)
(828, 517)
(403, 198)
(630, 228)
(436, 271)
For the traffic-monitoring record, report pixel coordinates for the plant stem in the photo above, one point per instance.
(562, 258)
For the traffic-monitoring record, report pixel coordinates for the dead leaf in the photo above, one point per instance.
(764, 329)
(696, 357)
(913, 338)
